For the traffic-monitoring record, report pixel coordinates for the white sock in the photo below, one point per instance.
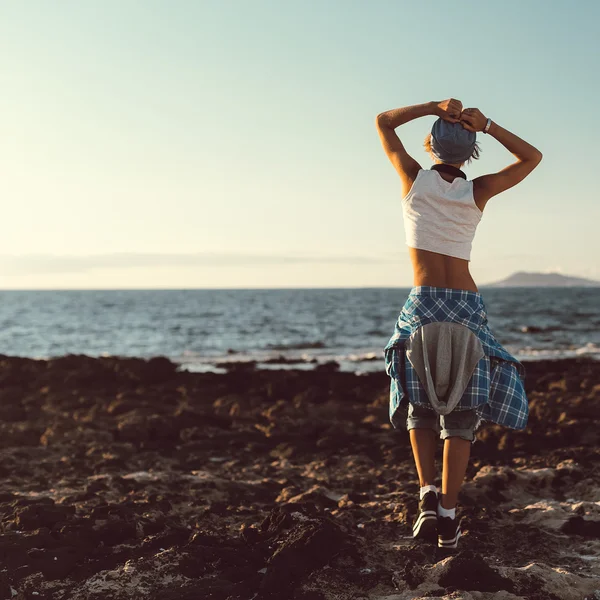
(427, 488)
(446, 512)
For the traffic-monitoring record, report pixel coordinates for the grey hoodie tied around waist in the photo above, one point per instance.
(444, 355)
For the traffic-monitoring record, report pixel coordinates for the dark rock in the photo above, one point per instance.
(159, 369)
(134, 427)
(213, 589)
(42, 515)
(111, 533)
(56, 563)
(312, 395)
(412, 573)
(309, 595)
(20, 433)
(469, 571)
(302, 545)
(327, 367)
(12, 413)
(579, 526)
(237, 366)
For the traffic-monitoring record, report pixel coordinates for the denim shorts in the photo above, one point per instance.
(461, 423)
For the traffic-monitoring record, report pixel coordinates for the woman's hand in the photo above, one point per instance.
(449, 110)
(473, 119)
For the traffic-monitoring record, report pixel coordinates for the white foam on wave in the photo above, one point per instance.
(530, 353)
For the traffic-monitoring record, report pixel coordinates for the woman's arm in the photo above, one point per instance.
(450, 110)
(406, 166)
(529, 157)
(398, 116)
(514, 144)
(474, 120)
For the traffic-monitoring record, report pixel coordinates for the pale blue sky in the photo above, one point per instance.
(222, 143)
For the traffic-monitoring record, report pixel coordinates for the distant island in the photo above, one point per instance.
(524, 279)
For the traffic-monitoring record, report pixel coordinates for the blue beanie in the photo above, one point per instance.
(451, 142)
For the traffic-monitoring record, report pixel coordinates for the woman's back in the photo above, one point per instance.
(440, 219)
(441, 216)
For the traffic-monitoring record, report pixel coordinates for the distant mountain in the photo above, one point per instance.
(523, 279)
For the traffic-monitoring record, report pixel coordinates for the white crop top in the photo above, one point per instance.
(439, 215)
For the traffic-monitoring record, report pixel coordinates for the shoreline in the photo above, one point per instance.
(226, 367)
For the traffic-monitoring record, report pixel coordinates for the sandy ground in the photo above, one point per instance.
(125, 479)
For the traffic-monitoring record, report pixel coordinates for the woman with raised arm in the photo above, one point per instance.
(445, 365)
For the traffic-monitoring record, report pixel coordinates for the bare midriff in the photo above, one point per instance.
(439, 270)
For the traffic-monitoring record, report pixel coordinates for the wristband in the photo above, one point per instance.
(487, 126)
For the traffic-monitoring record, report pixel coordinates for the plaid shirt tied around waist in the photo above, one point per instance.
(495, 389)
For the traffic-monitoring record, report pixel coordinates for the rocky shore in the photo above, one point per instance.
(125, 479)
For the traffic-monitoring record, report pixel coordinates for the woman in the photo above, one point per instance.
(442, 357)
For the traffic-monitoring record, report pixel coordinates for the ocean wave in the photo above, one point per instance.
(537, 329)
(590, 349)
(299, 346)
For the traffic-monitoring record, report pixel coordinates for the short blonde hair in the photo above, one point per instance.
(427, 145)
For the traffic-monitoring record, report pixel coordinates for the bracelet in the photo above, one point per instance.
(487, 125)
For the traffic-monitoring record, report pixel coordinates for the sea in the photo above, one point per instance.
(205, 330)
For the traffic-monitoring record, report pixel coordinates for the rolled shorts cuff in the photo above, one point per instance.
(423, 421)
(461, 424)
(465, 434)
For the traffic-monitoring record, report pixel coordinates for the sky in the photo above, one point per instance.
(232, 143)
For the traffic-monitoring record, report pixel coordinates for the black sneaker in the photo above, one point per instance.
(448, 532)
(425, 527)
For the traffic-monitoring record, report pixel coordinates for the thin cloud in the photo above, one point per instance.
(45, 264)
(508, 256)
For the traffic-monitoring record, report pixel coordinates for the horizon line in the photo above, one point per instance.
(186, 289)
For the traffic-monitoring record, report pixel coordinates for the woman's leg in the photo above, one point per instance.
(458, 433)
(423, 442)
(423, 427)
(456, 458)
